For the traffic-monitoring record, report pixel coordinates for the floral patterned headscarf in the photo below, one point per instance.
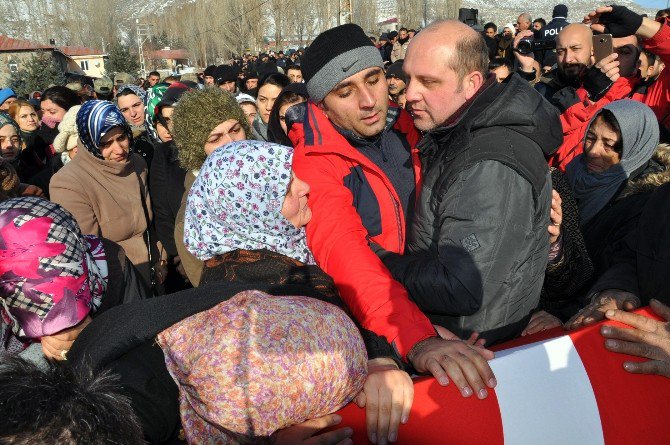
(258, 363)
(51, 276)
(236, 201)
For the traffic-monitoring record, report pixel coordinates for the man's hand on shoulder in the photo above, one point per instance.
(457, 360)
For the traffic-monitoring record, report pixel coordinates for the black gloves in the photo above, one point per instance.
(596, 83)
(621, 22)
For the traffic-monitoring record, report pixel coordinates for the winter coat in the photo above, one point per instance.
(385, 51)
(640, 265)
(34, 156)
(143, 146)
(166, 185)
(108, 199)
(122, 340)
(124, 284)
(192, 265)
(549, 84)
(606, 232)
(353, 203)
(399, 50)
(577, 110)
(478, 247)
(43, 178)
(550, 32)
(572, 269)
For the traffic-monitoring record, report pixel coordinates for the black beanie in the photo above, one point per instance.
(560, 11)
(209, 71)
(336, 54)
(225, 73)
(395, 70)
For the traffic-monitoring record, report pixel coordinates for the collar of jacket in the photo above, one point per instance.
(512, 104)
(354, 139)
(87, 161)
(318, 134)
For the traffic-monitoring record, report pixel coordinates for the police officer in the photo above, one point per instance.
(550, 31)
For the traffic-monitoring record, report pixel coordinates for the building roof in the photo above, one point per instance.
(389, 21)
(10, 44)
(169, 54)
(74, 51)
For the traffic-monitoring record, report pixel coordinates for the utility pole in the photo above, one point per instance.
(143, 34)
(346, 11)
(425, 13)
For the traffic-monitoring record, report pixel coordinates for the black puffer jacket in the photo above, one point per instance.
(641, 264)
(479, 243)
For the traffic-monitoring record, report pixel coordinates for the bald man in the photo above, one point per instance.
(477, 248)
(613, 78)
(573, 55)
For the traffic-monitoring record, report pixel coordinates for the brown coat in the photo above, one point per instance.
(192, 265)
(105, 197)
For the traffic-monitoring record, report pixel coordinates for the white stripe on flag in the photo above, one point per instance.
(545, 395)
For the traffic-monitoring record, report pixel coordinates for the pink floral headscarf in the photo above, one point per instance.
(258, 363)
(51, 276)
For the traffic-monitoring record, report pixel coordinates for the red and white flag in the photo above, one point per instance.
(553, 388)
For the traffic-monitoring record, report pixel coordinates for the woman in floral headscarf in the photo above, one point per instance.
(244, 218)
(105, 185)
(53, 278)
(133, 102)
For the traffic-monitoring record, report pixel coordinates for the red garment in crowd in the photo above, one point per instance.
(575, 119)
(337, 237)
(562, 389)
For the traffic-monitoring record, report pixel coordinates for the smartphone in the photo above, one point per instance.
(602, 46)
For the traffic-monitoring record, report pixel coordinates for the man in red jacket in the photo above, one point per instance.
(358, 153)
(615, 77)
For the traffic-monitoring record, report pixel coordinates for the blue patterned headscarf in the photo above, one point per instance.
(94, 119)
(148, 124)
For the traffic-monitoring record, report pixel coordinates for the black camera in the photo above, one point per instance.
(530, 45)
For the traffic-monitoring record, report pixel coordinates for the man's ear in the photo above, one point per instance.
(472, 83)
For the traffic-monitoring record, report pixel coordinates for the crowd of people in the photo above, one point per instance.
(230, 257)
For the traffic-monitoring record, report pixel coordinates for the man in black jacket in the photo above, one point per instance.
(478, 246)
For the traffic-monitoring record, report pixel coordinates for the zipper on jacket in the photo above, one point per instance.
(398, 222)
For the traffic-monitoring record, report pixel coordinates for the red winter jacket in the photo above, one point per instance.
(575, 119)
(352, 202)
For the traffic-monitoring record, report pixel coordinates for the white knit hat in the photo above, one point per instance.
(67, 136)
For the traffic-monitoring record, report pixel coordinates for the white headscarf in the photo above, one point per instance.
(236, 200)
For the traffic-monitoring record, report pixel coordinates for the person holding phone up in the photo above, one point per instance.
(614, 77)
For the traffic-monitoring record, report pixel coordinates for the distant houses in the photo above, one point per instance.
(15, 53)
(167, 58)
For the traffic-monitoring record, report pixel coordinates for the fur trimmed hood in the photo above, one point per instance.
(653, 177)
